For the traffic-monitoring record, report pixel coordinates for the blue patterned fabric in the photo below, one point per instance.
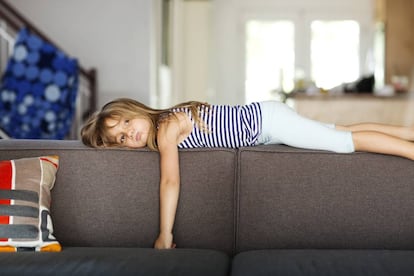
(38, 90)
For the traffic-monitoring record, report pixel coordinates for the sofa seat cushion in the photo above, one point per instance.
(116, 261)
(324, 262)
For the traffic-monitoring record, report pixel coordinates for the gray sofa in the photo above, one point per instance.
(267, 210)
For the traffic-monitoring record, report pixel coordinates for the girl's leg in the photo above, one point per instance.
(379, 142)
(282, 125)
(406, 133)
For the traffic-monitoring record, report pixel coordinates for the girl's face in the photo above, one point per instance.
(132, 133)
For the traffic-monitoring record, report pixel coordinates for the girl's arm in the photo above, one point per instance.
(167, 137)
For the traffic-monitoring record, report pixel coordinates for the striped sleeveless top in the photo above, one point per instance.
(224, 126)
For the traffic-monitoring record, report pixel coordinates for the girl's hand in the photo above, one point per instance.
(164, 241)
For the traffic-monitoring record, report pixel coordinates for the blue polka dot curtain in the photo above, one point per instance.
(38, 90)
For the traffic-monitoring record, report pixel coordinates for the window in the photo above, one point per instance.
(272, 56)
(334, 52)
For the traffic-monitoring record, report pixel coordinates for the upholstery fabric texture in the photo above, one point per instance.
(317, 199)
(264, 210)
(91, 261)
(324, 262)
(118, 190)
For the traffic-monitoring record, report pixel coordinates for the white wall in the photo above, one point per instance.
(112, 35)
(190, 52)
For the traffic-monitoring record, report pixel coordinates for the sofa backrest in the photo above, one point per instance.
(293, 198)
(111, 197)
(230, 200)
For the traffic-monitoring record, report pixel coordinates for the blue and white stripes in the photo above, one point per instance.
(224, 126)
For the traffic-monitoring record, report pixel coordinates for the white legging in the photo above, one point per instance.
(282, 125)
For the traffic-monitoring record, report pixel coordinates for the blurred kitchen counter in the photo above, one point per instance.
(354, 108)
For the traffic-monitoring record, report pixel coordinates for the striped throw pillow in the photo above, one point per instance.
(25, 221)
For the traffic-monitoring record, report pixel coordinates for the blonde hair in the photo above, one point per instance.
(95, 131)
